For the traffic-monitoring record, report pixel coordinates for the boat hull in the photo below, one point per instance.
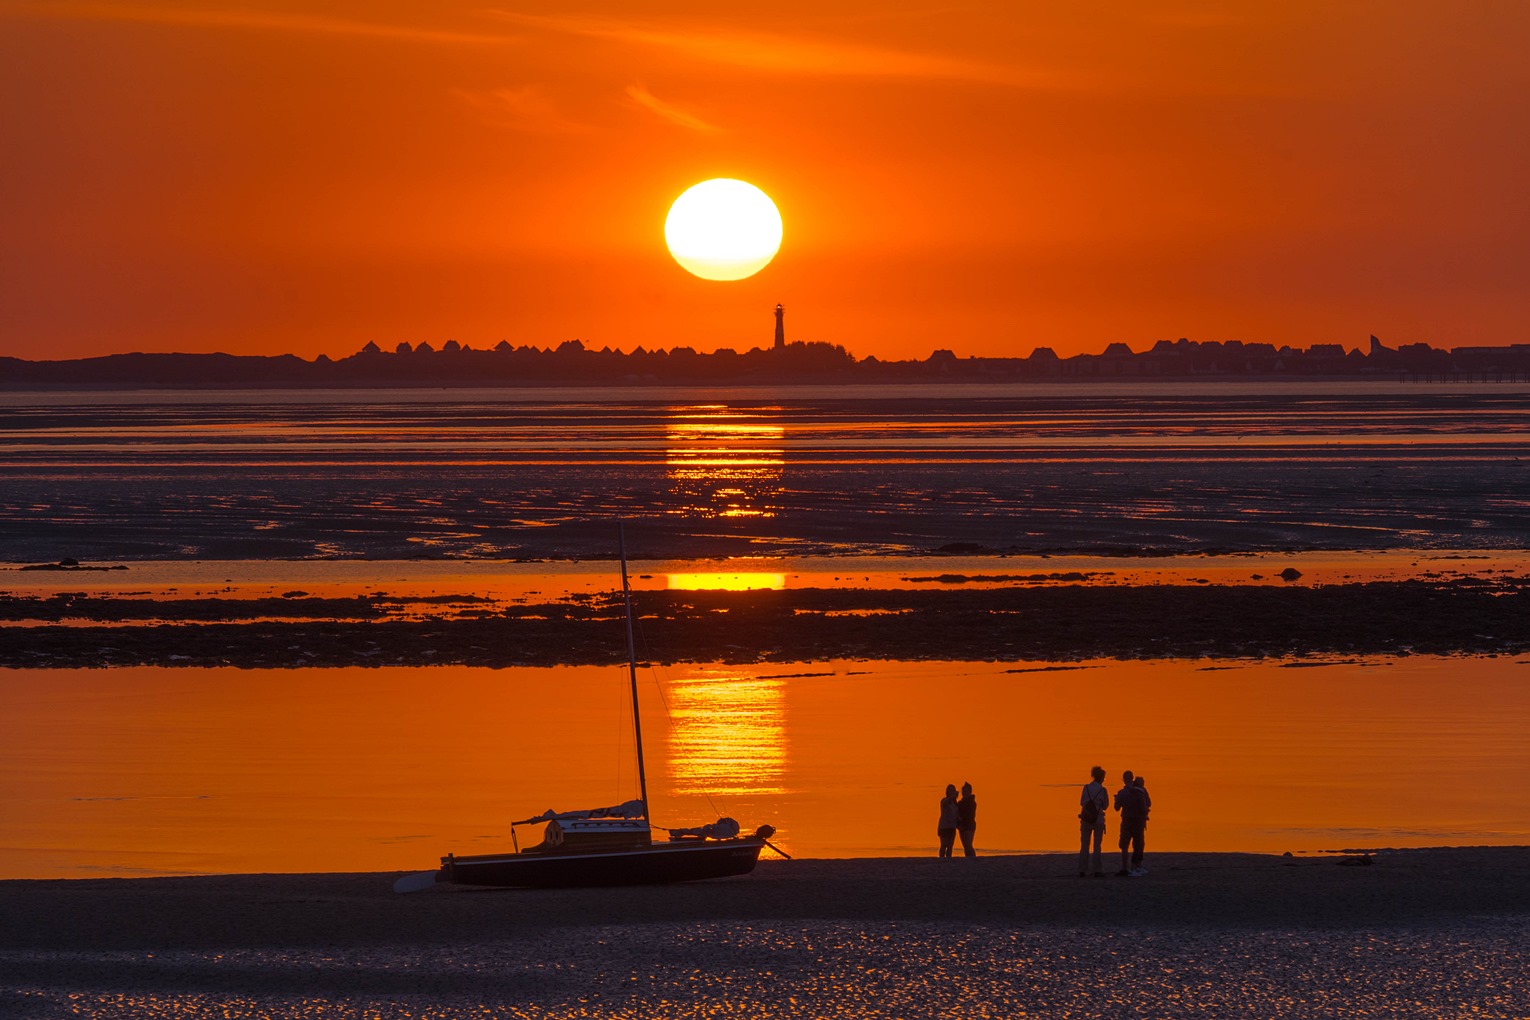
(658, 864)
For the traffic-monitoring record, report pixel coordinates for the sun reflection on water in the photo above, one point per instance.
(728, 733)
(726, 581)
(724, 463)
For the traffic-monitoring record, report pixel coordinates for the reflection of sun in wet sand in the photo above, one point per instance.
(724, 463)
(728, 734)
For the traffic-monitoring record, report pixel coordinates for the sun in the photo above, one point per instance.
(723, 229)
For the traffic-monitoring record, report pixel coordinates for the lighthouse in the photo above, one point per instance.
(780, 327)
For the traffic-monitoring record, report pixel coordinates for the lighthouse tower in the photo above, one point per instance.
(780, 327)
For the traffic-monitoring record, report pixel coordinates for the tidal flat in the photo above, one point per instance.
(1031, 616)
(1096, 468)
(1423, 933)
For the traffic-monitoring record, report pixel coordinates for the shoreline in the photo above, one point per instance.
(1404, 887)
(749, 948)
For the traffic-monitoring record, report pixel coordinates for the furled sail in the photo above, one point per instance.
(631, 809)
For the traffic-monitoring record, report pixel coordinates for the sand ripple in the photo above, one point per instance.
(1474, 967)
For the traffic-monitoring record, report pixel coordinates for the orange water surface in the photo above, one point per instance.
(180, 771)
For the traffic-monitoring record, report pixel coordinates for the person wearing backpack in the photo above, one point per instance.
(1093, 802)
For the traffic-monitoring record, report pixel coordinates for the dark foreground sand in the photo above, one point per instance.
(1424, 933)
(1401, 887)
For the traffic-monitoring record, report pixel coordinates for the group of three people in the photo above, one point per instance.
(1133, 802)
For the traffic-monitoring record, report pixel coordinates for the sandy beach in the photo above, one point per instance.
(1407, 887)
(1431, 932)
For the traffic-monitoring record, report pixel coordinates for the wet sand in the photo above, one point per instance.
(1420, 933)
(1025, 622)
(1407, 887)
(1090, 468)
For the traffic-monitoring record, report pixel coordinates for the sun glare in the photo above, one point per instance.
(720, 581)
(723, 229)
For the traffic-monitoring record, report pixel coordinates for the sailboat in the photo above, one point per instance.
(607, 846)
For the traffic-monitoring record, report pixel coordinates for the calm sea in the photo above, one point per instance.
(145, 771)
(805, 471)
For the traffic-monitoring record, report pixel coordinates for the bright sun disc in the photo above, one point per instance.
(723, 229)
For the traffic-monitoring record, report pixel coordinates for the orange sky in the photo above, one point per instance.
(271, 177)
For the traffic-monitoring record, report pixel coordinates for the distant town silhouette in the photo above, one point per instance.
(572, 363)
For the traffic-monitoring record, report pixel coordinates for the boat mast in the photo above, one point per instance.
(637, 725)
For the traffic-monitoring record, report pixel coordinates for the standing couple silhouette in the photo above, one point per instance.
(958, 815)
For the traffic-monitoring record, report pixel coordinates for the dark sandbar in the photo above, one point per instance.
(1051, 623)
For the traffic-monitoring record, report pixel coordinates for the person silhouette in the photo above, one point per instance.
(1093, 802)
(1134, 806)
(1126, 787)
(966, 819)
(950, 818)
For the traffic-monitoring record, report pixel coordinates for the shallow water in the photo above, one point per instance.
(141, 771)
(518, 581)
(506, 474)
(817, 969)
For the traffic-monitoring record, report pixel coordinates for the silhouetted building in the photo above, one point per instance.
(571, 362)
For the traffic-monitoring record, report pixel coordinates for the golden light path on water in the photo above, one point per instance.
(726, 580)
(727, 733)
(724, 463)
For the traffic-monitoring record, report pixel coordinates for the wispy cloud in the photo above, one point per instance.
(526, 108)
(251, 19)
(648, 101)
(789, 54)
